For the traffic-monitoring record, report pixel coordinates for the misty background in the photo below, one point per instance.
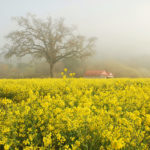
(121, 26)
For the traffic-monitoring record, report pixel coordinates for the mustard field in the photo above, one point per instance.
(78, 114)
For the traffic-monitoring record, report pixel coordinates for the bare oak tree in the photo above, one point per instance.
(49, 39)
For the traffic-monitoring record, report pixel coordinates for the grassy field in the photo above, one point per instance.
(88, 114)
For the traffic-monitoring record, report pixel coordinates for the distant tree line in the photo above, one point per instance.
(41, 69)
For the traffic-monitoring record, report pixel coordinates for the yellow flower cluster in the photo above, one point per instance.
(93, 114)
(65, 74)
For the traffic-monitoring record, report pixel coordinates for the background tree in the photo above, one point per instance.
(48, 39)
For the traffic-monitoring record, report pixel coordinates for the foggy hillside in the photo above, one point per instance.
(121, 27)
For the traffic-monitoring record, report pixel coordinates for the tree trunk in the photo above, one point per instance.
(51, 70)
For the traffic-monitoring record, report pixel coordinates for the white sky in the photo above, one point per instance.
(122, 26)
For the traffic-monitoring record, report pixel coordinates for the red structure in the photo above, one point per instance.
(98, 74)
